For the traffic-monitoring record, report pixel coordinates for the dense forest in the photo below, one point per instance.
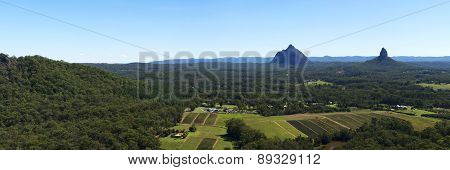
(47, 104)
(274, 90)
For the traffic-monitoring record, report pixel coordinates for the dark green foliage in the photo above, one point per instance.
(46, 104)
(275, 91)
(235, 128)
(395, 134)
(192, 128)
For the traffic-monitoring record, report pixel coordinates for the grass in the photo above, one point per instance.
(435, 86)
(416, 112)
(207, 144)
(319, 83)
(226, 106)
(169, 143)
(191, 143)
(275, 126)
(194, 138)
(223, 145)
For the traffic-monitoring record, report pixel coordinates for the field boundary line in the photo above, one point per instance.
(196, 147)
(182, 119)
(328, 125)
(215, 122)
(319, 126)
(363, 117)
(353, 119)
(308, 127)
(193, 120)
(204, 121)
(179, 147)
(215, 143)
(337, 122)
(283, 128)
(343, 120)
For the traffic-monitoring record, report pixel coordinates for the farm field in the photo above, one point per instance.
(192, 142)
(212, 126)
(416, 112)
(207, 144)
(275, 126)
(201, 118)
(211, 121)
(436, 86)
(319, 83)
(189, 119)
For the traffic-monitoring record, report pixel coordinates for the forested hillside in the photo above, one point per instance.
(47, 104)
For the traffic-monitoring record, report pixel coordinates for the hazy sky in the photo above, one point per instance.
(221, 25)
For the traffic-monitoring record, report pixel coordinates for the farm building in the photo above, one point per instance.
(212, 110)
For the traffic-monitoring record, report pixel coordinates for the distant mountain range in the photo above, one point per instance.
(357, 59)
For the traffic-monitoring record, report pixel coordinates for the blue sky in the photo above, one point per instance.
(219, 25)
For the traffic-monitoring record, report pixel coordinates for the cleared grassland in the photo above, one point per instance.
(189, 118)
(223, 145)
(207, 144)
(169, 143)
(275, 126)
(191, 143)
(319, 83)
(416, 112)
(435, 86)
(201, 118)
(194, 138)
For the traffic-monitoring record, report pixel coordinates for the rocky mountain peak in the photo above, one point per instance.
(384, 53)
(383, 59)
(290, 56)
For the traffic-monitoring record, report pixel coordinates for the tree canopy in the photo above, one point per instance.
(47, 104)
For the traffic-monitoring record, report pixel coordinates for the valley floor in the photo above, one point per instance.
(211, 127)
